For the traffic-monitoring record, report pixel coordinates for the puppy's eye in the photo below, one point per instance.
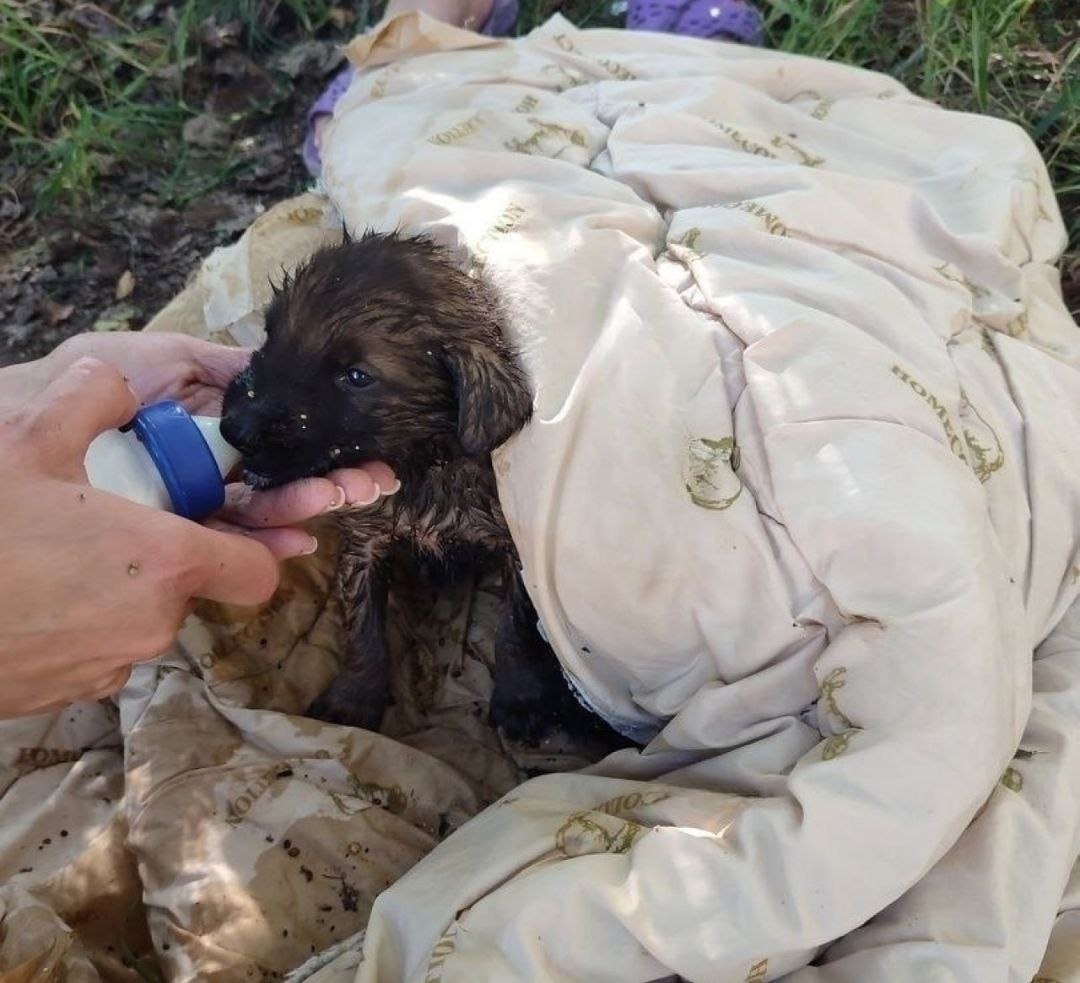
(358, 378)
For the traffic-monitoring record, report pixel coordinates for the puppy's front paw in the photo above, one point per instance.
(346, 702)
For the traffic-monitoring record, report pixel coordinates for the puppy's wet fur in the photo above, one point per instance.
(381, 348)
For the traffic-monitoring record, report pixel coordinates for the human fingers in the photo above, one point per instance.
(85, 400)
(222, 566)
(284, 542)
(355, 481)
(295, 502)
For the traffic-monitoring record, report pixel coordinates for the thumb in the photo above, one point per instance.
(86, 399)
(228, 567)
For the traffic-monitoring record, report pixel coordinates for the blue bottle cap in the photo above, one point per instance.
(183, 459)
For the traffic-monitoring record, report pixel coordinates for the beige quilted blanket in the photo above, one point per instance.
(800, 508)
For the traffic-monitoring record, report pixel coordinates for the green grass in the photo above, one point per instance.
(71, 103)
(75, 99)
(79, 96)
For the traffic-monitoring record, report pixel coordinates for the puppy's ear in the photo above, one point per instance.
(493, 395)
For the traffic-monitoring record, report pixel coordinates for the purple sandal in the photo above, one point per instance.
(500, 22)
(732, 20)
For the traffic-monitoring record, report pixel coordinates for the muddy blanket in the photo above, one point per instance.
(799, 511)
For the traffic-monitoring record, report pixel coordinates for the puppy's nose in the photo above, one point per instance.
(240, 433)
(252, 427)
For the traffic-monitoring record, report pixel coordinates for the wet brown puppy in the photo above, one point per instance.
(383, 349)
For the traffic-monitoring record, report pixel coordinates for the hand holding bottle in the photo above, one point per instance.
(91, 582)
(161, 365)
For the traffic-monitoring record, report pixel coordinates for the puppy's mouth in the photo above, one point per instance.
(262, 472)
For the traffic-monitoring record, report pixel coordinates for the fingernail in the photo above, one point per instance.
(392, 490)
(371, 500)
(338, 500)
(311, 547)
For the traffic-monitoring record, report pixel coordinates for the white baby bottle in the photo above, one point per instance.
(165, 458)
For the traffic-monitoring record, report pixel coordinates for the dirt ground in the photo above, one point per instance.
(113, 266)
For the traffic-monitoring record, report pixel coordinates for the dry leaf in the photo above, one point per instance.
(55, 313)
(119, 317)
(317, 58)
(125, 285)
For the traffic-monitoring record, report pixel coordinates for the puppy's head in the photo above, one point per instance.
(377, 349)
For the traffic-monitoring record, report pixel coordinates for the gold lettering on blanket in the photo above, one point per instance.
(564, 78)
(527, 105)
(32, 758)
(564, 135)
(711, 479)
(459, 131)
(824, 103)
(508, 220)
(951, 273)
(836, 746)
(1018, 326)
(1012, 780)
(743, 142)
(772, 222)
(758, 973)
(829, 686)
(956, 443)
(240, 642)
(440, 952)
(622, 804)
(984, 460)
(806, 158)
(617, 69)
(392, 798)
(685, 248)
(565, 44)
(239, 807)
(690, 240)
(346, 806)
(583, 834)
(592, 831)
(382, 80)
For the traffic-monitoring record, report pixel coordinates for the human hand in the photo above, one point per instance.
(271, 516)
(156, 366)
(90, 582)
(160, 365)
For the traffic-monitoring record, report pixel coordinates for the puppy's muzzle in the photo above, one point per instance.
(256, 427)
